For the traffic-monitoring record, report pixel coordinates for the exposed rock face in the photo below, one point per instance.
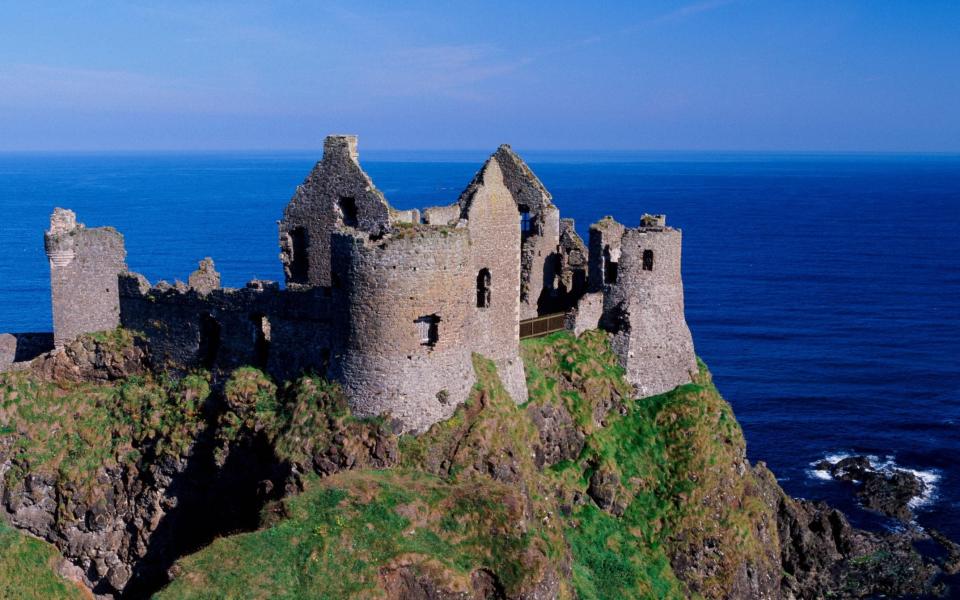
(95, 358)
(560, 438)
(124, 536)
(824, 556)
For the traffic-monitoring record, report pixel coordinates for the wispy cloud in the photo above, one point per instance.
(43, 87)
(691, 10)
(678, 14)
(448, 70)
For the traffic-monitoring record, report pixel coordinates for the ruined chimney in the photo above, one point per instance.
(342, 145)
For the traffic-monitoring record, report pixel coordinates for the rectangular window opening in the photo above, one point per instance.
(348, 210)
(428, 330)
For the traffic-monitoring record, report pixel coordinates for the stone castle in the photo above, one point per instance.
(392, 304)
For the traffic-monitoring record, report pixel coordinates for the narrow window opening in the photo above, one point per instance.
(648, 260)
(348, 210)
(209, 346)
(483, 288)
(299, 261)
(525, 225)
(261, 340)
(610, 267)
(324, 361)
(428, 329)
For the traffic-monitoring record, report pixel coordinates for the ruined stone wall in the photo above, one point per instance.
(605, 237)
(442, 215)
(283, 332)
(494, 225)
(569, 272)
(84, 264)
(643, 309)
(336, 193)
(394, 360)
(539, 261)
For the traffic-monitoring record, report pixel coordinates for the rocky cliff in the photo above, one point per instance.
(190, 488)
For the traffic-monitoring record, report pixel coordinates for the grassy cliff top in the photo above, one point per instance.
(485, 497)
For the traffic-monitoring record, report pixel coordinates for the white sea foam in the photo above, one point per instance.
(824, 475)
(930, 477)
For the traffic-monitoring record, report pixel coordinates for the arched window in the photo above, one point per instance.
(348, 210)
(648, 260)
(610, 266)
(483, 288)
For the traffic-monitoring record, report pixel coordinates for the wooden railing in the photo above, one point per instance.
(542, 325)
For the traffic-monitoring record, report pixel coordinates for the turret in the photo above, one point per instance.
(84, 267)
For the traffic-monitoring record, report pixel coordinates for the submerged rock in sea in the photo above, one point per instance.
(888, 491)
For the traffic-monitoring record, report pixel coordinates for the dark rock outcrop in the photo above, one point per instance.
(822, 555)
(887, 491)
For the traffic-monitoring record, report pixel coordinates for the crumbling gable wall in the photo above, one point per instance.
(84, 265)
(540, 230)
(570, 272)
(494, 224)
(643, 307)
(407, 329)
(337, 193)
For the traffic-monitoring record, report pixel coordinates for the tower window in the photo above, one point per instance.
(209, 346)
(648, 260)
(299, 261)
(483, 288)
(348, 210)
(610, 266)
(261, 340)
(428, 329)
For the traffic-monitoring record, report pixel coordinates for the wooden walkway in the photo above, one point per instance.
(539, 326)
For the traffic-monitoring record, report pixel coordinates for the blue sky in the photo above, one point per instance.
(696, 74)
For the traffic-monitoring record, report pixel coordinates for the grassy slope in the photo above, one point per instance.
(676, 456)
(27, 570)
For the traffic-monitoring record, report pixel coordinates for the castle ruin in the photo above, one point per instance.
(390, 303)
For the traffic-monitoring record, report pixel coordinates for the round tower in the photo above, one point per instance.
(408, 301)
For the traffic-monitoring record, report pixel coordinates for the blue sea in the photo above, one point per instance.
(822, 290)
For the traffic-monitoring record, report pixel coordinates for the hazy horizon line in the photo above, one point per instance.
(318, 150)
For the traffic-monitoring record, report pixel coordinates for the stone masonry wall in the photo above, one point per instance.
(538, 259)
(336, 193)
(283, 332)
(84, 264)
(494, 225)
(392, 288)
(605, 237)
(643, 310)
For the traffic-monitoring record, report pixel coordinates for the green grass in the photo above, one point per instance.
(75, 429)
(27, 570)
(341, 531)
(467, 494)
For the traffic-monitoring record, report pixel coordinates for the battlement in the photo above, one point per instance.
(393, 303)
